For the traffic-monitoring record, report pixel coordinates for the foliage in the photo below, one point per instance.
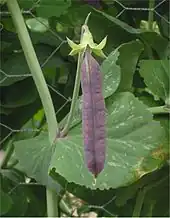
(135, 75)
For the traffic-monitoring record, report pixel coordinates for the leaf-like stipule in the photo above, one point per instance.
(93, 114)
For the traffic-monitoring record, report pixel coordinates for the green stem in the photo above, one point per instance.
(139, 203)
(75, 95)
(34, 66)
(52, 203)
(7, 155)
(159, 110)
(151, 14)
(76, 86)
(65, 208)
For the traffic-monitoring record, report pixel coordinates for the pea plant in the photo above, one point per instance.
(85, 108)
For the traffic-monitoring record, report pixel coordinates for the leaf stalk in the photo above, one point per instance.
(151, 14)
(159, 110)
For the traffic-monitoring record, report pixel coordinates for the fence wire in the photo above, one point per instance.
(62, 42)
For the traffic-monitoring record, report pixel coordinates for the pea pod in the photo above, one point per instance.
(93, 114)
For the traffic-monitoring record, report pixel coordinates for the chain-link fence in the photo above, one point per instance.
(6, 75)
(66, 99)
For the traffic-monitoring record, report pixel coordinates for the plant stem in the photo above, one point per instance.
(159, 110)
(7, 155)
(65, 208)
(76, 86)
(75, 95)
(139, 203)
(151, 14)
(52, 203)
(34, 66)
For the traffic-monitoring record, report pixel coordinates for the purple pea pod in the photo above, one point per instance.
(93, 114)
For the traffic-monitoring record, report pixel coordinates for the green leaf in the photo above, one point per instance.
(6, 202)
(164, 25)
(128, 58)
(19, 196)
(156, 77)
(4, 45)
(130, 140)
(111, 74)
(5, 111)
(147, 99)
(27, 4)
(11, 95)
(156, 42)
(121, 24)
(165, 123)
(50, 8)
(156, 193)
(38, 24)
(35, 155)
(15, 68)
(19, 117)
(14, 175)
(76, 116)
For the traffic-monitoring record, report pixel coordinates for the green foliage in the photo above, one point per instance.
(38, 24)
(111, 74)
(156, 77)
(6, 203)
(135, 83)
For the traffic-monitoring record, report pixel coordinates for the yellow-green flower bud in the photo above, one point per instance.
(87, 41)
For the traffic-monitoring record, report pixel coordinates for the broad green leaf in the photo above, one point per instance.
(156, 42)
(12, 96)
(27, 4)
(156, 77)
(153, 39)
(31, 128)
(19, 195)
(5, 203)
(38, 24)
(128, 58)
(4, 45)
(50, 8)
(2, 2)
(19, 117)
(111, 74)
(126, 193)
(130, 140)
(120, 23)
(15, 68)
(76, 116)
(8, 25)
(35, 158)
(147, 99)
(5, 111)
(14, 175)
(165, 123)
(164, 25)
(47, 38)
(156, 193)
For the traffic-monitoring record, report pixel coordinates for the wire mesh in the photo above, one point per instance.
(66, 100)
